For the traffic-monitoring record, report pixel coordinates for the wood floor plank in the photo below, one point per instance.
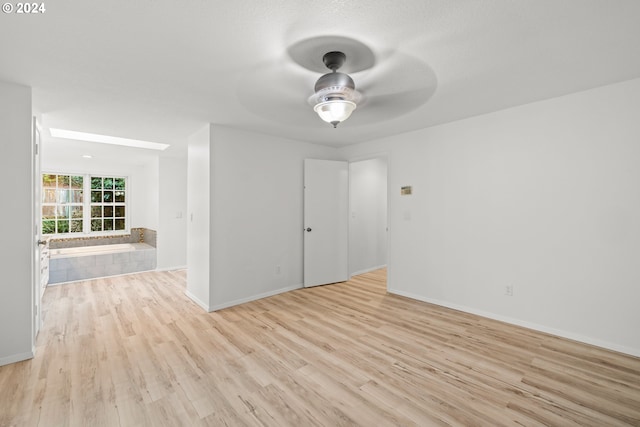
(133, 350)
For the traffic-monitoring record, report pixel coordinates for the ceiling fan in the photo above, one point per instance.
(335, 95)
(390, 84)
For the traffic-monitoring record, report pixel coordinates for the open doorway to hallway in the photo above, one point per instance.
(368, 215)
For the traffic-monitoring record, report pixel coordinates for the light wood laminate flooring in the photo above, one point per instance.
(134, 351)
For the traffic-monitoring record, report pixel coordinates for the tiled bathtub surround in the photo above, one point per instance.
(102, 256)
(149, 237)
(95, 261)
(138, 235)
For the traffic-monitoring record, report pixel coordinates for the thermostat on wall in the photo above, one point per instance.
(407, 190)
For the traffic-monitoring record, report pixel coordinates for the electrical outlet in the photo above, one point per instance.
(508, 290)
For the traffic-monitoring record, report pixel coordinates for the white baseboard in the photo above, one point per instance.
(16, 358)
(179, 267)
(368, 270)
(534, 326)
(255, 297)
(198, 301)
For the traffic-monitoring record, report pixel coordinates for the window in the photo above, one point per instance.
(107, 204)
(62, 204)
(66, 210)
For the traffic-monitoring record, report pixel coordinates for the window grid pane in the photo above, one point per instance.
(62, 204)
(108, 203)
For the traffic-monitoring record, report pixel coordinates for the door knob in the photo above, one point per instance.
(42, 242)
(308, 229)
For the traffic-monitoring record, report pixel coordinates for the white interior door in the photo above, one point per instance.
(326, 222)
(37, 247)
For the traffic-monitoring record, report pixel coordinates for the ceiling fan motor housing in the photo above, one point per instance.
(334, 79)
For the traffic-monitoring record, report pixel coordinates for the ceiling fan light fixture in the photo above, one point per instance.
(335, 95)
(335, 111)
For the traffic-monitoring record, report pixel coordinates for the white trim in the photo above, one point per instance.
(368, 270)
(255, 297)
(17, 358)
(198, 301)
(534, 326)
(176, 268)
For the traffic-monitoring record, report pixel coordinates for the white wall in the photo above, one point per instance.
(544, 197)
(198, 217)
(368, 215)
(145, 195)
(172, 235)
(257, 208)
(16, 256)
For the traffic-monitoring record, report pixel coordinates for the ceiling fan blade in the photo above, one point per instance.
(397, 85)
(381, 108)
(396, 73)
(278, 90)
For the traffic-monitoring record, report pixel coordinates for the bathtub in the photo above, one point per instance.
(89, 262)
(91, 250)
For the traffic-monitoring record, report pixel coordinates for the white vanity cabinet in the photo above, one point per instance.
(44, 265)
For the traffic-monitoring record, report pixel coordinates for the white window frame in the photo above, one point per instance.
(86, 206)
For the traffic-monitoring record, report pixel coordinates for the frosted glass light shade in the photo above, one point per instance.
(335, 111)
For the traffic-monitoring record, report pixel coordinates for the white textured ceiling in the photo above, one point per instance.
(159, 70)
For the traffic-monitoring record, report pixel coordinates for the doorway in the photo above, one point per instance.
(368, 212)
